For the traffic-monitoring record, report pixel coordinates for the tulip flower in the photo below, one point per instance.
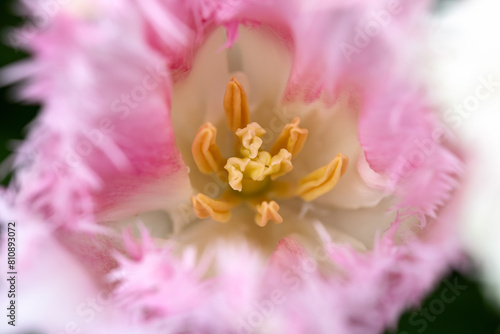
(231, 166)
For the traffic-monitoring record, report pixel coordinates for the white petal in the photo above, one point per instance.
(332, 130)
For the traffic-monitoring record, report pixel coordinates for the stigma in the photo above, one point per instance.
(251, 173)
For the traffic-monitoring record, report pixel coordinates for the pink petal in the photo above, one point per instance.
(112, 153)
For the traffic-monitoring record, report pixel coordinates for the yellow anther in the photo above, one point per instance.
(323, 179)
(205, 152)
(292, 138)
(236, 106)
(253, 172)
(267, 211)
(235, 167)
(205, 206)
(251, 141)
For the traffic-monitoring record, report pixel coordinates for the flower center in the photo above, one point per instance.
(252, 172)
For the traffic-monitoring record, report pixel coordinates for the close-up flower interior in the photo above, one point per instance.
(249, 166)
(258, 158)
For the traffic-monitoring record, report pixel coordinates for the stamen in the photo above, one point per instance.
(267, 211)
(205, 206)
(292, 138)
(236, 106)
(252, 172)
(323, 179)
(251, 141)
(205, 152)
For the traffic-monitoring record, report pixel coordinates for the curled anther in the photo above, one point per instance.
(323, 179)
(205, 206)
(236, 106)
(205, 152)
(292, 138)
(267, 211)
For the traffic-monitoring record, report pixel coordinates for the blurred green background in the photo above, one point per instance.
(459, 310)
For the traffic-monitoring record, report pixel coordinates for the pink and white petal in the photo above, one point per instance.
(49, 299)
(403, 273)
(197, 98)
(404, 141)
(326, 25)
(333, 130)
(256, 59)
(88, 150)
(365, 225)
(206, 234)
